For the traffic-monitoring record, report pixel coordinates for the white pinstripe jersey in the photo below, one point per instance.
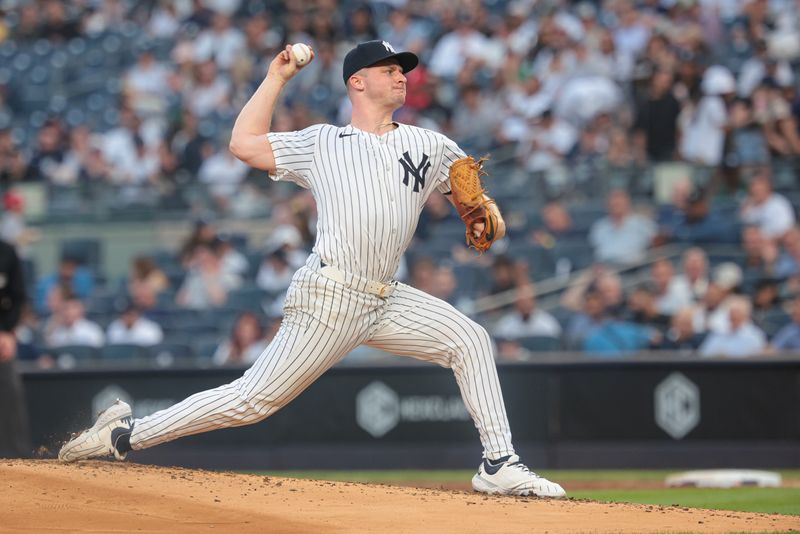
(369, 189)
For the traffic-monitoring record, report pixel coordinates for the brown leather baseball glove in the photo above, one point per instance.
(478, 211)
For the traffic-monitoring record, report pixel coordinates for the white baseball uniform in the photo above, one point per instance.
(369, 191)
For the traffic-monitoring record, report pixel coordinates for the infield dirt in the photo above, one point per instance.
(47, 496)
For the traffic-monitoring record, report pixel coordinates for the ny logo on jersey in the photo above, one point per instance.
(388, 47)
(417, 171)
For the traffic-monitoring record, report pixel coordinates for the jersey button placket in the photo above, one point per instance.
(389, 180)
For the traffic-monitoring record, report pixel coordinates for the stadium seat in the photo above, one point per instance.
(123, 352)
(88, 251)
(540, 343)
(169, 354)
(74, 353)
(246, 298)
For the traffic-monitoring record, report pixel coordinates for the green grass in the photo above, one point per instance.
(766, 500)
(445, 476)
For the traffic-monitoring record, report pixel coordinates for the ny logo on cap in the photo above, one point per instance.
(388, 47)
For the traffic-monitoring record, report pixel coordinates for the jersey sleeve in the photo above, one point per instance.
(294, 154)
(450, 153)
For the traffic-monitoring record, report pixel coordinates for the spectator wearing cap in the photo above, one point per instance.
(787, 339)
(69, 326)
(621, 237)
(703, 127)
(13, 228)
(771, 212)
(698, 223)
(131, 328)
(742, 339)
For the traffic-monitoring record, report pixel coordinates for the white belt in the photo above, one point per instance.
(356, 282)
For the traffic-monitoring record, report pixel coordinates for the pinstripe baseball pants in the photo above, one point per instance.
(323, 321)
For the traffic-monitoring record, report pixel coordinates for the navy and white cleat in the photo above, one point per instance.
(103, 439)
(509, 476)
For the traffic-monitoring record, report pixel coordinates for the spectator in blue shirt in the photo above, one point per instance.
(69, 275)
(788, 337)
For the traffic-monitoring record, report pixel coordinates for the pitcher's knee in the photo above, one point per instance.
(477, 345)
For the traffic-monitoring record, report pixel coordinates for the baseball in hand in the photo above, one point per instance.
(301, 53)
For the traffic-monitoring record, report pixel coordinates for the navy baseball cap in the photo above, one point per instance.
(370, 52)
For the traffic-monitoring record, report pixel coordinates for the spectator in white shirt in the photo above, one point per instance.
(275, 273)
(146, 85)
(210, 92)
(222, 43)
(742, 340)
(771, 212)
(223, 173)
(245, 344)
(456, 48)
(70, 327)
(703, 127)
(695, 273)
(526, 319)
(548, 142)
(671, 294)
(130, 328)
(712, 313)
(622, 236)
(207, 285)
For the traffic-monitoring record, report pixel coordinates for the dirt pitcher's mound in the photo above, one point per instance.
(39, 496)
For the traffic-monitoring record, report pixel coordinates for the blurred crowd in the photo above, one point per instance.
(699, 95)
(614, 83)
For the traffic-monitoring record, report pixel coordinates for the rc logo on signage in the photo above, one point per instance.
(107, 396)
(141, 408)
(379, 409)
(677, 405)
